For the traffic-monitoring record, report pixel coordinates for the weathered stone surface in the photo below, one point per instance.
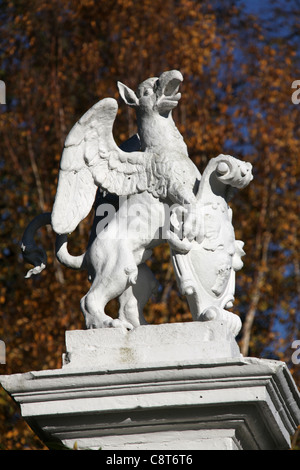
(149, 344)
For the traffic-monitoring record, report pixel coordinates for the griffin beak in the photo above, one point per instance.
(166, 89)
(168, 83)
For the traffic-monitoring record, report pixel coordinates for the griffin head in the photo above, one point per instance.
(154, 94)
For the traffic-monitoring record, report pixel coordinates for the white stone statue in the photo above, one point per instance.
(162, 197)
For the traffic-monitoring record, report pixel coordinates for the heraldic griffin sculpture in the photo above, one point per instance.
(159, 196)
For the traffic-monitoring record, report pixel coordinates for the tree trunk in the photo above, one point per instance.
(260, 278)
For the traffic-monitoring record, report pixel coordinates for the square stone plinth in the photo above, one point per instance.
(166, 392)
(149, 344)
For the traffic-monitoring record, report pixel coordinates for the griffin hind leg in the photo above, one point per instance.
(94, 314)
(135, 297)
(93, 311)
(103, 290)
(112, 269)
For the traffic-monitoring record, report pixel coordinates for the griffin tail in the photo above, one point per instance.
(64, 257)
(32, 253)
(36, 255)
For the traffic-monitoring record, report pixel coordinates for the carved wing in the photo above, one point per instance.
(92, 159)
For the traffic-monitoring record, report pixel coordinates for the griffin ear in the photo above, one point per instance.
(128, 95)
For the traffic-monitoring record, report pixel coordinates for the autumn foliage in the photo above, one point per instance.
(59, 58)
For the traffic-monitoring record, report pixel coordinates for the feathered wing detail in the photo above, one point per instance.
(74, 199)
(116, 171)
(76, 189)
(92, 159)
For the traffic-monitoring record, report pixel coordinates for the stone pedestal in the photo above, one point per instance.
(162, 387)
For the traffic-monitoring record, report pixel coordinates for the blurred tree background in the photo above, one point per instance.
(59, 58)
